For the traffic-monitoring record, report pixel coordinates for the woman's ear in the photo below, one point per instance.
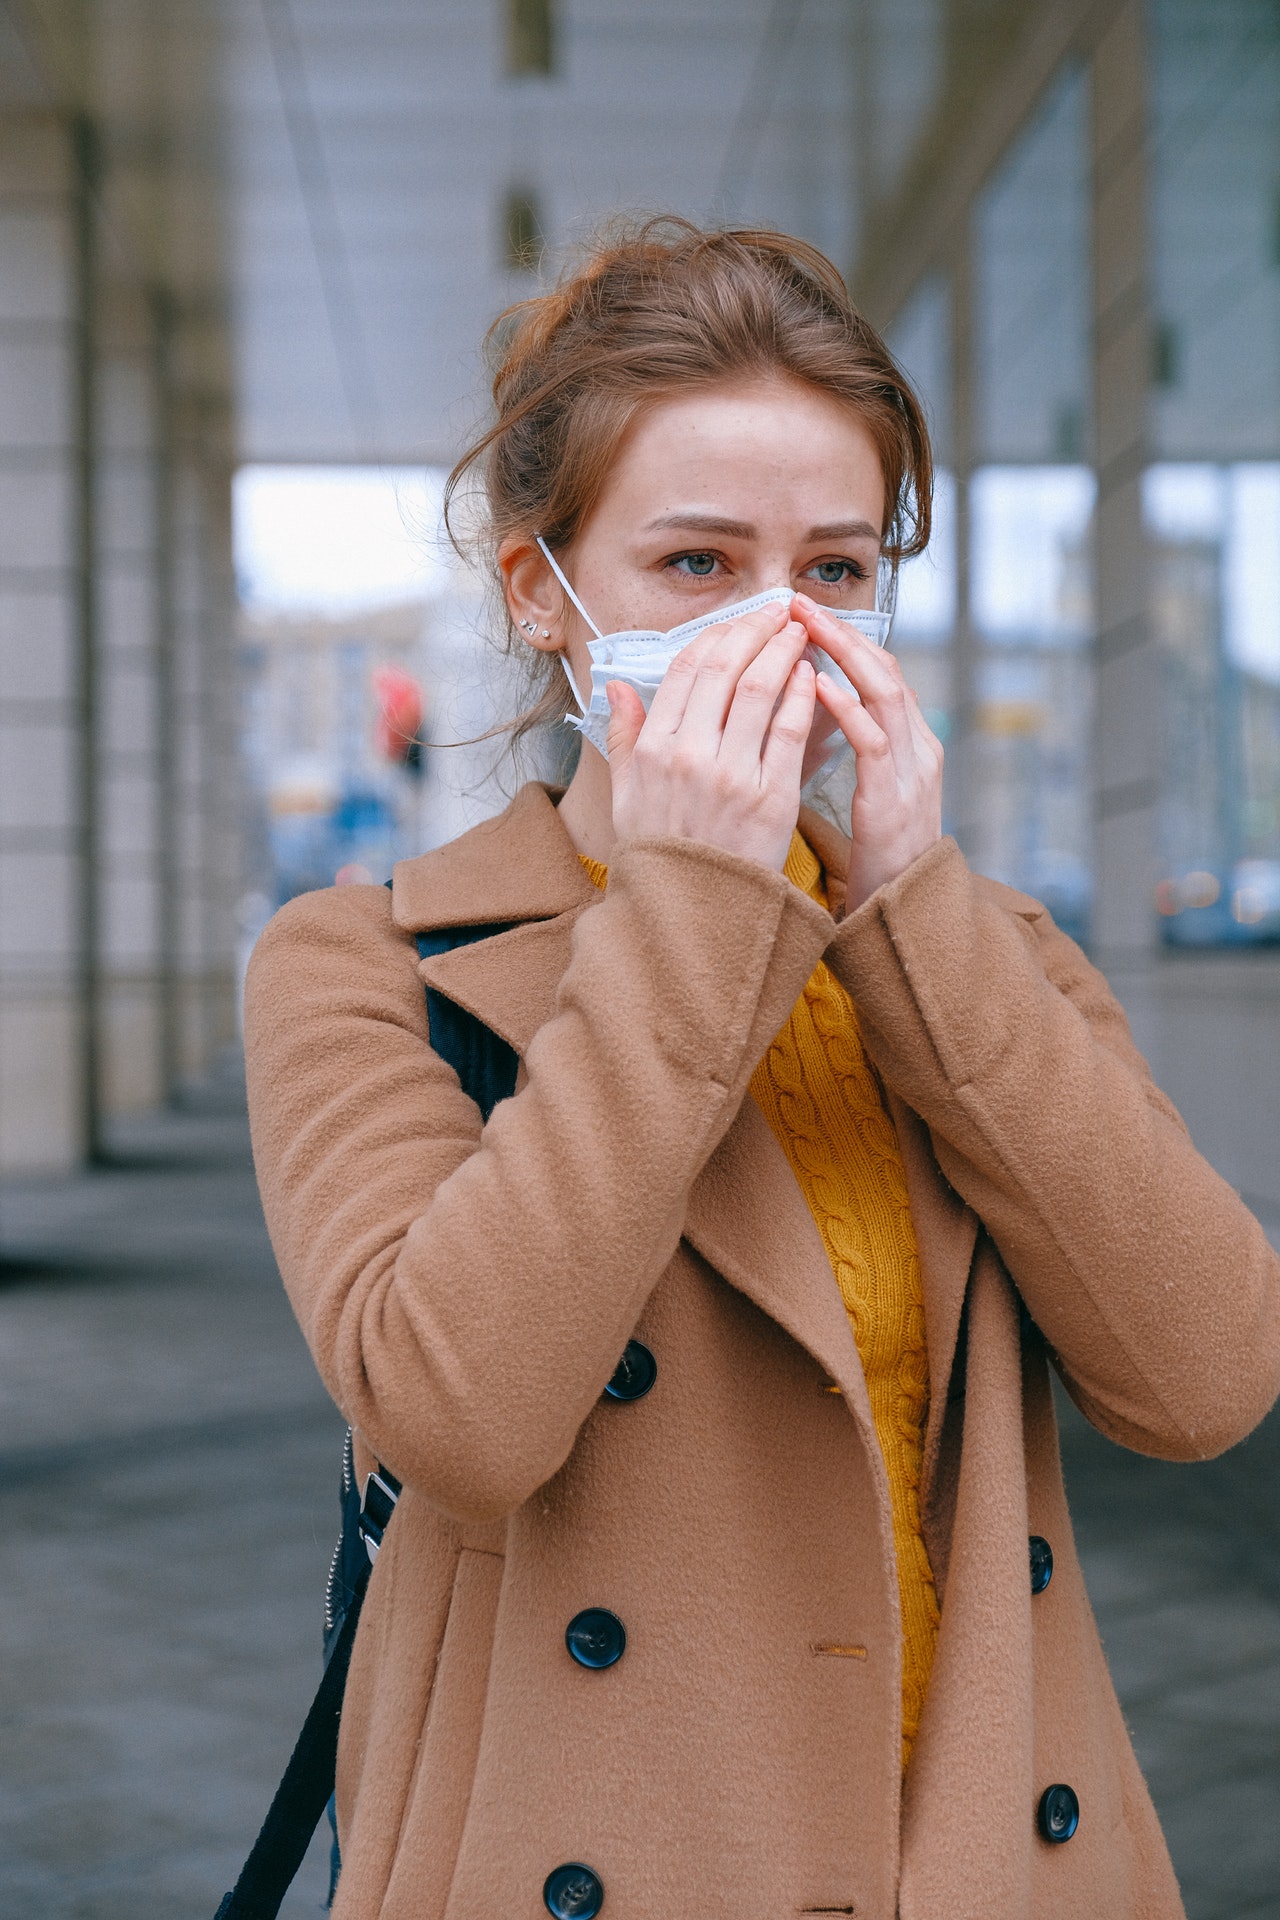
(534, 598)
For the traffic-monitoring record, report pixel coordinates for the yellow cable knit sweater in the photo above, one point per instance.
(821, 1098)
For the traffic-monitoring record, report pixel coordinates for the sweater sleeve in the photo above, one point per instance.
(1154, 1285)
(467, 1292)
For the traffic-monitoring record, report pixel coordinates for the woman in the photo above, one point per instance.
(840, 1145)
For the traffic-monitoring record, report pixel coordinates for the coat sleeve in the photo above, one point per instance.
(1155, 1287)
(467, 1292)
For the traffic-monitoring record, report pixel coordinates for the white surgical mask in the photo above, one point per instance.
(640, 657)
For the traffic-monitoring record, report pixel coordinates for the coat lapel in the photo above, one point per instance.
(509, 981)
(519, 874)
(748, 1219)
(518, 866)
(946, 1229)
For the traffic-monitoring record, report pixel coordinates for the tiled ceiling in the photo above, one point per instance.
(319, 185)
(371, 151)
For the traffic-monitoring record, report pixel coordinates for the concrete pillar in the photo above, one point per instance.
(46, 691)
(1127, 737)
(119, 758)
(206, 770)
(133, 805)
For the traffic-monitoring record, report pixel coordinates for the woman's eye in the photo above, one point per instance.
(697, 564)
(835, 573)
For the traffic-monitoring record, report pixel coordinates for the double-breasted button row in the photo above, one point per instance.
(1058, 1812)
(597, 1638)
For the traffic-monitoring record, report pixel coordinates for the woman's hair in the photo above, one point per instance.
(661, 308)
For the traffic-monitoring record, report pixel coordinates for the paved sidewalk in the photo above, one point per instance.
(167, 1510)
(1183, 1566)
(168, 1474)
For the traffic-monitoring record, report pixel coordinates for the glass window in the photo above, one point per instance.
(1215, 198)
(920, 341)
(925, 609)
(901, 51)
(1215, 545)
(1031, 290)
(1032, 613)
(1212, 503)
(1028, 798)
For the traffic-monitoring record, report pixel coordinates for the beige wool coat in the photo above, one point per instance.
(467, 1294)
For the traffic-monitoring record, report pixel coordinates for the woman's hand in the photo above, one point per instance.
(897, 806)
(718, 758)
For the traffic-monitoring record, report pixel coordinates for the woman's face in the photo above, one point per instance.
(713, 497)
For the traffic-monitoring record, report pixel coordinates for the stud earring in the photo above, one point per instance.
(528, 626)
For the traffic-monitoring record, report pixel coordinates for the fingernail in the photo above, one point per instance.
(608, 694)
(805, 601)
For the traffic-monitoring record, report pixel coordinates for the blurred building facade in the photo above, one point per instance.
(275, 230)
(334, 774)
(1078, 255)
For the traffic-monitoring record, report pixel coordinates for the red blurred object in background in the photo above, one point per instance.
(398, 732)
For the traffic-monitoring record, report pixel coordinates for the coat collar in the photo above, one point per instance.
(746, 1216)
(520, 865)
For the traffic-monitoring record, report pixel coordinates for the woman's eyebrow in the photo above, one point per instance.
(844, 530)
(715, 523)
(704, 523)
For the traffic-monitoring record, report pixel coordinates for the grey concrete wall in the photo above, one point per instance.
(119, 752)
(132, 961)
(207, 777)
(1210, 1027)
(42, 692)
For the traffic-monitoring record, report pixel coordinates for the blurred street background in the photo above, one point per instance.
(248, 252)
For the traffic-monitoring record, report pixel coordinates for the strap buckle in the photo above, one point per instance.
(381, 1492)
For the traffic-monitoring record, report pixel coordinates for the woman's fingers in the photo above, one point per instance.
(860, 728)
(875, 674)
(626, 717)
(782, 759)
(718, 758)
(699, 684)
(760, 686)
(728, 657)
(927, 741)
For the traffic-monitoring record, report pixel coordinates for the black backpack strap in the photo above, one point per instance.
(486, 1066)
(301, 1797)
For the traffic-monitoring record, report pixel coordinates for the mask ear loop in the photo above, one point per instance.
(554, 564)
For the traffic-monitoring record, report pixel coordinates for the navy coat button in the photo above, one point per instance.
(634, 1374)
(595, 1637)
(1058, 1814)
(573, 1892)
(1041, 1563)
